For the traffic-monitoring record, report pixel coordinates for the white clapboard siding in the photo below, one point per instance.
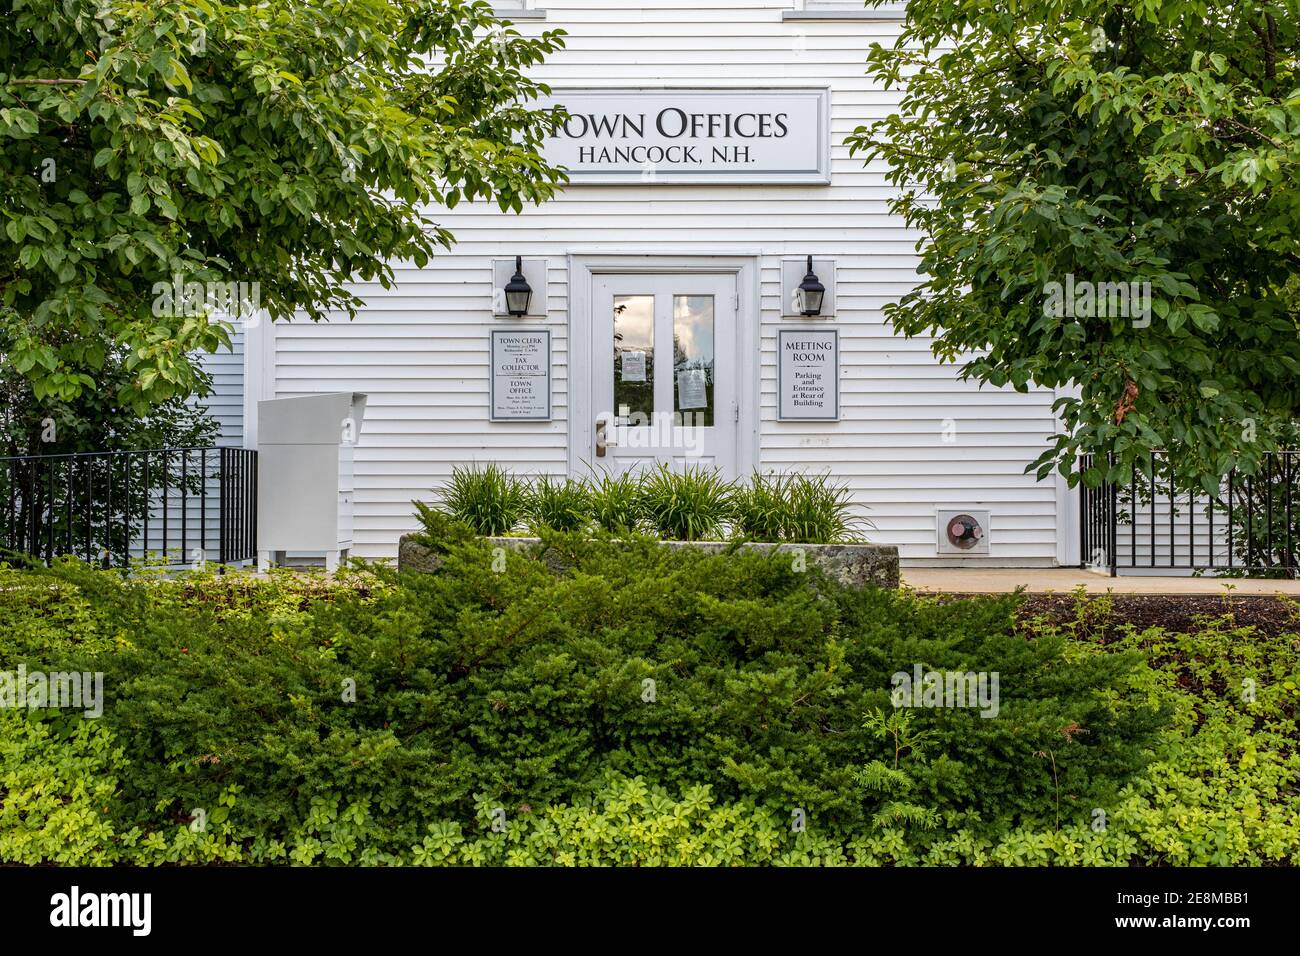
(420, 350)
(197, 520)
(226, 403)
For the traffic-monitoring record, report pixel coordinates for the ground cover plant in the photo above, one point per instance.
(623, 704)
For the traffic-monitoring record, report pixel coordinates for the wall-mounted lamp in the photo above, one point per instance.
(811, 292)
(518, 291)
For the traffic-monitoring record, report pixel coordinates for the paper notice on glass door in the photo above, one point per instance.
(634, 366)
(691, 392)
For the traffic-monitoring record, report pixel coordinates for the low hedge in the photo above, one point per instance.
(384, 720)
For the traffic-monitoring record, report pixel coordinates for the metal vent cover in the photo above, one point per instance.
(963, 531)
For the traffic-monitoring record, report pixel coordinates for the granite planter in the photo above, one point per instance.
(855, 565)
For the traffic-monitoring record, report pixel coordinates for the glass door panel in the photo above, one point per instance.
(693, 360)
(679, 410)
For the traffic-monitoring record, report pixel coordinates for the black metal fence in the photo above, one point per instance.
(1150, 523)
(160, 507)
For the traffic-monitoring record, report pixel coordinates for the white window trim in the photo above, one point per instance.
(825, 10)
(518, 10)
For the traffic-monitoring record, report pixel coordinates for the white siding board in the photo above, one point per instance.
(226, 403)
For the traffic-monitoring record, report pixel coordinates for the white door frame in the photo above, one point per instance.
(583, 267)
(1068, 544)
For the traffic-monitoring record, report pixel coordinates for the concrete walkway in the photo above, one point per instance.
(1065, 580)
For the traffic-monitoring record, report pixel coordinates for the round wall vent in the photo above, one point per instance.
(964, 532)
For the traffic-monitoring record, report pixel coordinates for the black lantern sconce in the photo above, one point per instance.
(811, 292)
(518, 292)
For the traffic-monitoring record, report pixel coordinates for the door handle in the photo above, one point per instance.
(602, 442)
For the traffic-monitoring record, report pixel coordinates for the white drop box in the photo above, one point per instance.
(305, 476)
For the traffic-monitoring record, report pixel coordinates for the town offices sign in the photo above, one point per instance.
(778, 135)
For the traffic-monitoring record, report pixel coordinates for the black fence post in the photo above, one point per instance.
(223, 506)
(1112, 544)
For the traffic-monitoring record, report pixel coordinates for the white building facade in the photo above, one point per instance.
(707, 150)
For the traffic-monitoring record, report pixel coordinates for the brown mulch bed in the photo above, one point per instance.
(1174, 612)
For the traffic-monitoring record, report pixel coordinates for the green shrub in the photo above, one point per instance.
(382, 719)
(559, 504)
(528, 687)
(616, 502)
(691, 505)
(486, 498)
(64, 609)
(439, 529)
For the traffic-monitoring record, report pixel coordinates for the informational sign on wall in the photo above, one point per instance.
(808, 375)
(521, 375)
(777, 135)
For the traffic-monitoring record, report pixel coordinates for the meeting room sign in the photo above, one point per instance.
(617, 136)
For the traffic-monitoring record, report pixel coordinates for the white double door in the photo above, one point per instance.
(663, 367)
